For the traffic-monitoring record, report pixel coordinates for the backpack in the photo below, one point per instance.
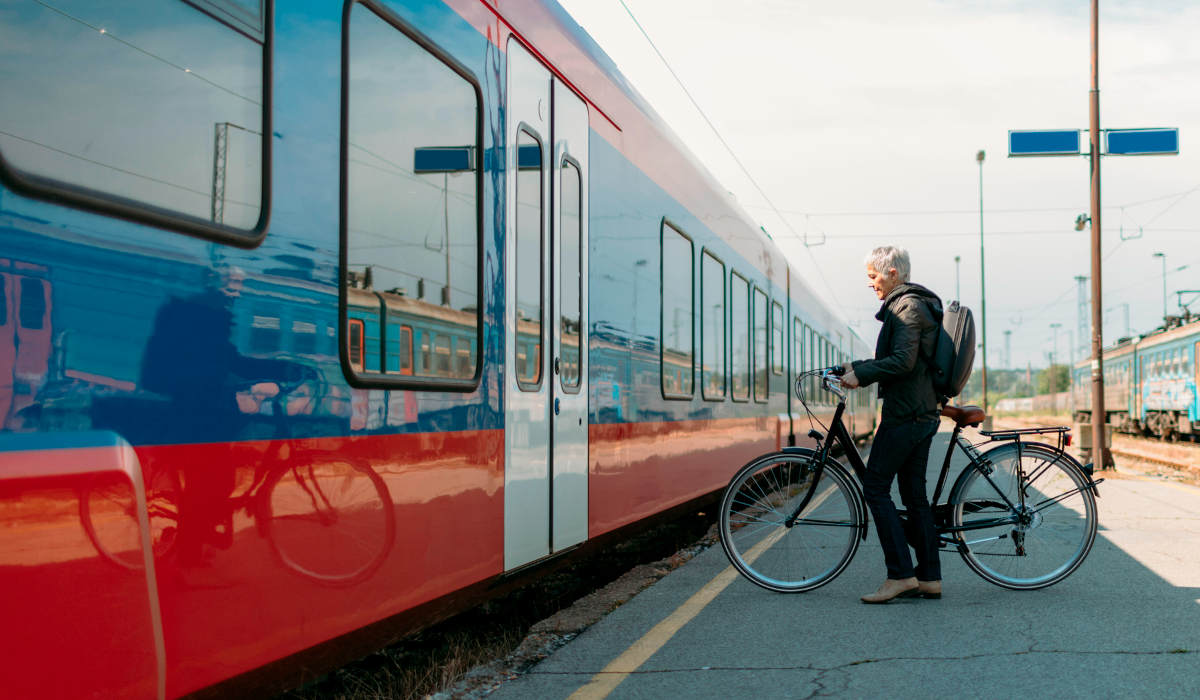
(953, 351)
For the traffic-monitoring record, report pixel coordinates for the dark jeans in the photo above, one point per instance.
(902, 450)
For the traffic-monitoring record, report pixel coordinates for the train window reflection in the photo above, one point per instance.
(149, 102)
(571, 270)
(760, 345)
(739, 334)
(678, 291)
(530, 203)
(411, 228)
(712, 327)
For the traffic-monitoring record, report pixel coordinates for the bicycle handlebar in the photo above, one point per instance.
(828, 376)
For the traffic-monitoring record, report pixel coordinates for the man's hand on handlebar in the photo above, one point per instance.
(849, 380)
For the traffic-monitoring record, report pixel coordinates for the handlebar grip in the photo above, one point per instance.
(837, 370)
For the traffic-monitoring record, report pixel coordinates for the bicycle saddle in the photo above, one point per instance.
(964, 415)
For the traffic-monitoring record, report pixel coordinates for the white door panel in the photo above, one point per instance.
(545, 445)
(527, 381)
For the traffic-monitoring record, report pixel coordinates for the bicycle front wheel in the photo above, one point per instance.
(1028, 520)
(775, 546)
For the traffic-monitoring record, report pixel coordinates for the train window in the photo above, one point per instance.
(760, 345)
(355, 341)
(426, 367)
(406, 350)
(810, 362)
(776, 338)
(304, 337)
(571, 282)
(441, 353)
(529, 245)
(264, 333)
(464, 353)
(152, 109)
(32, 311)
(678, 295)
(712, 327)
(797, 347)
(739, 335)
(411, 215)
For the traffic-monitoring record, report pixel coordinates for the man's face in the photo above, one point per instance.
(882, 283)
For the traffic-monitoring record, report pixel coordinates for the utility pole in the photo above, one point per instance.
(1008, 349)
(1100, 453)
(982, 283)
(220, 157)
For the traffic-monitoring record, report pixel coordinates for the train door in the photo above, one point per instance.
(545, 478)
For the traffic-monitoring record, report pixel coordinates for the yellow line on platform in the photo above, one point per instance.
(640, 651)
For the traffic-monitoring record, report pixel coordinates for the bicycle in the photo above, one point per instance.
(326, 516)
(1021, 514)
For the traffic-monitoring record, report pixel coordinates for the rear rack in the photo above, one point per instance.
(1062, 432)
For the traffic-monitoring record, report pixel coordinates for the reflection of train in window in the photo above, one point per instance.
(423, 339)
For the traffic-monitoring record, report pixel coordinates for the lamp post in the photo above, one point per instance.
(982, 283)
(1163, 257)
(957, 291)
(1054, 356)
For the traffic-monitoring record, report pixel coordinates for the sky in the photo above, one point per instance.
(861, 122)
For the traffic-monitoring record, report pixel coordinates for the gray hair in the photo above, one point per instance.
(886, 257)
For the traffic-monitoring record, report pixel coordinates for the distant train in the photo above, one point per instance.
(1149, 383)
(320, 322)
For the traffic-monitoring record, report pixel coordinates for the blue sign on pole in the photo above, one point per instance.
(443, 159)
(1044, 142)
(1142, 142)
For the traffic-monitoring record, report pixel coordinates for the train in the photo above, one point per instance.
(320, 322)
(1150, 382)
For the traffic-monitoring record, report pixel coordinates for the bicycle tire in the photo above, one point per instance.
(110, 499)
(1057, 526)
(817, 547)
(335, 527)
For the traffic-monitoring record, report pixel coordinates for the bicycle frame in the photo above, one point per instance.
(947, 533)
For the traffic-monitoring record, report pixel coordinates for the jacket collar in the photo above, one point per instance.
(904, 289)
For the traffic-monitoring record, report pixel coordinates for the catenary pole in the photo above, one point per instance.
(1100, 453)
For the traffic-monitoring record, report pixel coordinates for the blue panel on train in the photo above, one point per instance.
(443, 159)
(1143, 142)
(1048, 142)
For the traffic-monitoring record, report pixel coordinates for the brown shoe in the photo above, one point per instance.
(893, 588)
(929, 589)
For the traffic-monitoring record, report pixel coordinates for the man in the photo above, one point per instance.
(911, 317)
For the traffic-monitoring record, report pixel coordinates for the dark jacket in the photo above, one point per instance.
(911, 315)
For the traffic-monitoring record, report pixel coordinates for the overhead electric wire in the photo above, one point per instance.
(746, 171)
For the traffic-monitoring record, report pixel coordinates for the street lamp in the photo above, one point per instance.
(982, 284)
(957, 291)
(1163, 256)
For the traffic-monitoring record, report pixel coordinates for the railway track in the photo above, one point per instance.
(1180, 456)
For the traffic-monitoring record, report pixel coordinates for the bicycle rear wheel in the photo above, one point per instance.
(1033, 545)
(812, 550)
